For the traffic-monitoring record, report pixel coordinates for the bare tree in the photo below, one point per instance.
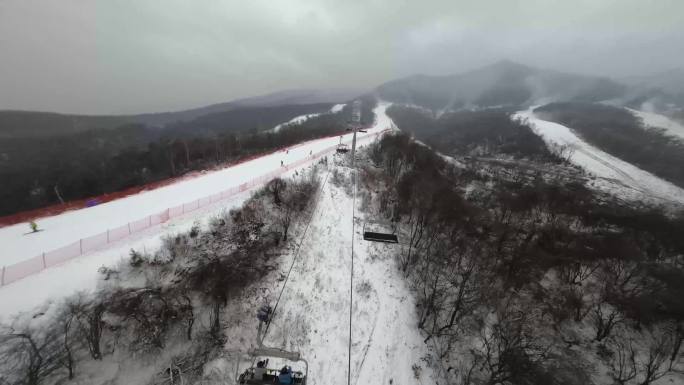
(29, 356)
(605, 317)
(623, 362)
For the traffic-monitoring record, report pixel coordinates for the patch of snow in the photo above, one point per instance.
(303, 118)
(613, 175)
(651, 119)
(296, 120)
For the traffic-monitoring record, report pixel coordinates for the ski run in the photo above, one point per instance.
(613, 175)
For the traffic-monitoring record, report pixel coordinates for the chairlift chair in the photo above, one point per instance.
(270, 375)
(377, 232)
(342, 148)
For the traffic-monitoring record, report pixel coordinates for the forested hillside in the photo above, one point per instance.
(504, 83)
(530, 277)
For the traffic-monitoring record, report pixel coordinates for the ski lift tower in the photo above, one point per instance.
(356, 124)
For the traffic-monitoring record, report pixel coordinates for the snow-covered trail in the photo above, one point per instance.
(651, 119)
(613, 174)
(69, 227)
(81, 273)
(313, 314)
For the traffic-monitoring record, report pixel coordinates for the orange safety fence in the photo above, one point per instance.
(23, 269)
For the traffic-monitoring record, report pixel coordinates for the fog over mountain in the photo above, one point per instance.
(131, 57)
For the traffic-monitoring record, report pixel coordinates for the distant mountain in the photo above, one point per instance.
(26, 124)
(280, 98)
(504, 83)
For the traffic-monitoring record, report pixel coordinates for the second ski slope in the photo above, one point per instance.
(613, 175)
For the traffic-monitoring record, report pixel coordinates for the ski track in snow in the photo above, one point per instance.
(613, 174)
(81, 273)
(313, 316)
(651, 119)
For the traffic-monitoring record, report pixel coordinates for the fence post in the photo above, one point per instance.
(168, 214)
(2, 278)
(44, 264)
(107, 235)
(80, 245)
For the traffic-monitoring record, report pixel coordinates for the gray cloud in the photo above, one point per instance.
(130, 56)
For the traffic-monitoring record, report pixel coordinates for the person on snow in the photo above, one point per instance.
(260, 370)
(285, 376)
(34, 226)
(282, 164)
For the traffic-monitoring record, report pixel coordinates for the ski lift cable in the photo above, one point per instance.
(351, 276)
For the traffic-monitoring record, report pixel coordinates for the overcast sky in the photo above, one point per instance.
(129, 56)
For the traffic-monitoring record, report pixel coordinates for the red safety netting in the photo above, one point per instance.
(17, 271)
(21, 269)
(62, 254)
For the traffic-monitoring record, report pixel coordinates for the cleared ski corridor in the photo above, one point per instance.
(313, 314)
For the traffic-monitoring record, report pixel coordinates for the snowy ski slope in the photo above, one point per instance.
(81, 273)
(613, 174)
(651, 119)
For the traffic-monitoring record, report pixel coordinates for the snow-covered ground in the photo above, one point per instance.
(612, 174)
(303, 118)
(652, 119)
(337, 108)
(81, 273)
(313, 314)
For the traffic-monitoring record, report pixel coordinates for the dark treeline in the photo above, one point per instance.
(618, 132)
(38, 172)
(150, 305)
(481, 132)
(532, 280)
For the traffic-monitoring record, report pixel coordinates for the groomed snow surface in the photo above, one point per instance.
(81, 273)
(613, 175)
(651, 119)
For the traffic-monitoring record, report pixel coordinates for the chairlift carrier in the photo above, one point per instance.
(270, 375)
(375, 232)
(342, 148)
